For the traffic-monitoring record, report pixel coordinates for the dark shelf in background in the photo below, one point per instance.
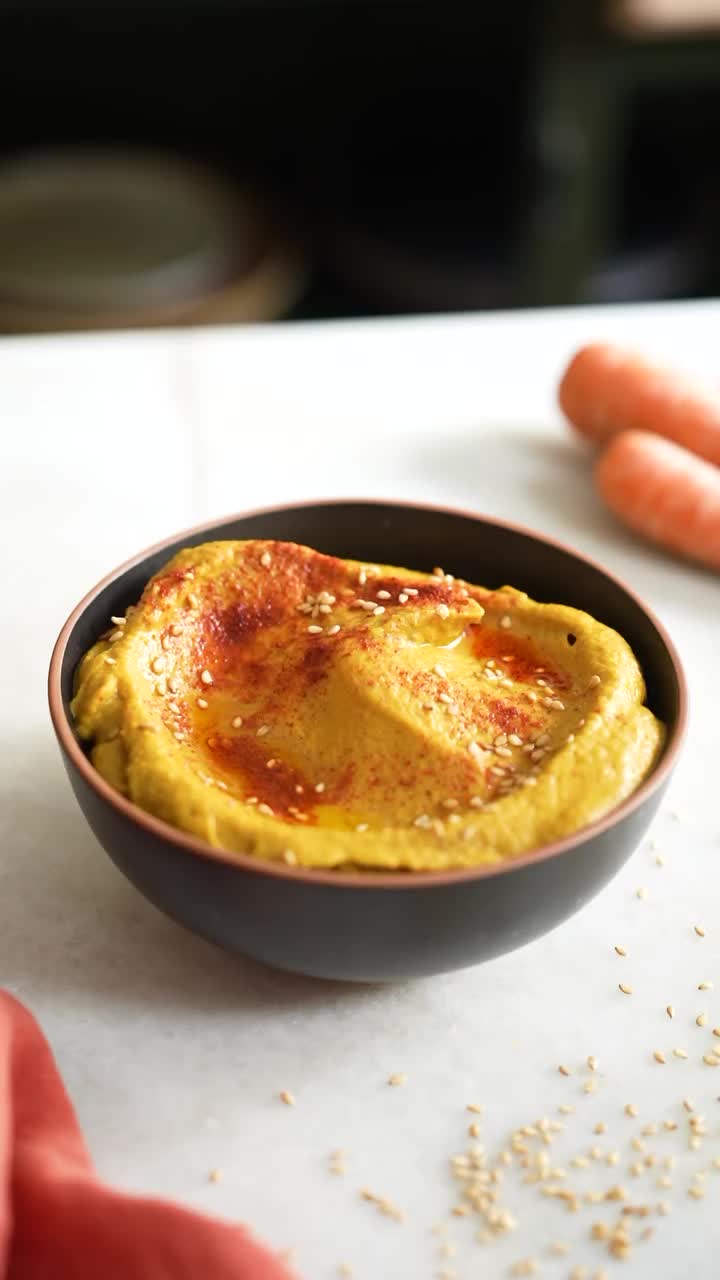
(398, 138)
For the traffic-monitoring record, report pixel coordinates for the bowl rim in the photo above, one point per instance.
(189, 844)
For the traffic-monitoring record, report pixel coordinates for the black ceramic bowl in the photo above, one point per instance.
(376, 926)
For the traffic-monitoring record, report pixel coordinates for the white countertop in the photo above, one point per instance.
(173, 1051)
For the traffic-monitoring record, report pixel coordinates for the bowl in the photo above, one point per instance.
(370, 926)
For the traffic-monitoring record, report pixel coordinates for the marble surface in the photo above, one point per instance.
(173, 1051)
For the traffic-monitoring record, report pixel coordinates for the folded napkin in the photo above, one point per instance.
(58, 1221)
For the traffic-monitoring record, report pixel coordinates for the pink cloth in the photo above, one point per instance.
(59, 1221)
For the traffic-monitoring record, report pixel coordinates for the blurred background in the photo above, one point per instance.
(249, 160)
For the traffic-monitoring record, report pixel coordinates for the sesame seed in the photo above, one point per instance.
(314, 629)
(711, 1060)
(590, 1086)
(334, 629)
(705, 986)
(564, 1071)
(440, 671)
(450, 804)
(110, 661)
(378, 610)
(319, 787)
(117, 635)
(266, 810)
(442, 611)
(659, 1056)
(411, 591)
(699, 930)
(506, 622)
(158, 666)
(593, 1066)
(475, 1107)
(236, 721)
(215, 1175)
(202, 703)
(397, 1078)
(117, 622)
(290, 857)
(697, 1192)
(701, 1020)
(566, 1108)
(287, 1097)
(175, 629)
(266, 559)
(264, 728)
(630, 1109)
(206, 677)
(515, 740)
(593, 682)
(626, 990)
(642, 892)
(403, 597)
(680, 1053)
(361, 826)
(180, 736)
(446, 698)
(192, 600)
(670, 1010)
(526, 1267)
(620, 950)
(383, 595)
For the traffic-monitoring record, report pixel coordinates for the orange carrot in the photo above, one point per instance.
(606, 389)
(663, 492)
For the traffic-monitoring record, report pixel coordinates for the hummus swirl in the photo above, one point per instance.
(279, 702)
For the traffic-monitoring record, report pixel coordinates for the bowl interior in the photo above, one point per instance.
(471, 547)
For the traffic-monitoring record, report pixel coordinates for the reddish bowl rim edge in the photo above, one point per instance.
(341, 879)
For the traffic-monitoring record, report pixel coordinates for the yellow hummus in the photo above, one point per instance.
(279, 702)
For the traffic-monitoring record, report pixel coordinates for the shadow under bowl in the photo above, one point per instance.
(376, 926)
